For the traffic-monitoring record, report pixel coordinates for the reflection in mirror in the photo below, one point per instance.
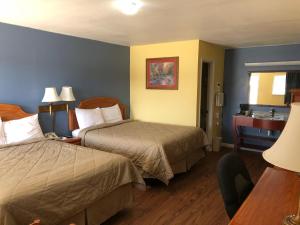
(267, 88)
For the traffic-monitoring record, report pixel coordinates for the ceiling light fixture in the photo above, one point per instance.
(129, 7)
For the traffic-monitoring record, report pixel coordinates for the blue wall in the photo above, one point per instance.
(31, 60)
(236, 79)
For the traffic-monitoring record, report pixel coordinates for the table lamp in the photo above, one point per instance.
(285, 153)
(67, 95)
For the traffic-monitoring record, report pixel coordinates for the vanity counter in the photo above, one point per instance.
(239, 121)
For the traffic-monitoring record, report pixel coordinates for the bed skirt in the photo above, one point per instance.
(119, 199)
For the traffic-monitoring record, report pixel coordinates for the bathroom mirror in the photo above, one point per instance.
(272, 88)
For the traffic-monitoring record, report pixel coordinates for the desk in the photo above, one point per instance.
(239, 121)
(275, 196)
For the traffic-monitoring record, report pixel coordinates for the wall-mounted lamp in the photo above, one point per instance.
(50, 97)
(67, 95)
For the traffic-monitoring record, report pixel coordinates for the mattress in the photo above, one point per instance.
(54, 181)
(157, 150)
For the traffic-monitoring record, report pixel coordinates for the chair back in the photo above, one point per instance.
(234, 181)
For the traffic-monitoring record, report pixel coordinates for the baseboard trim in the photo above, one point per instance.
(228, 145)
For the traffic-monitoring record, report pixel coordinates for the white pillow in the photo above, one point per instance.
(2, 134)
(112, 114)
(22, 129)
(88, 117)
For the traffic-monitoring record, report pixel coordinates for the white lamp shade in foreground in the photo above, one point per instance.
(67, 94)
(285, 153)
(51, 95)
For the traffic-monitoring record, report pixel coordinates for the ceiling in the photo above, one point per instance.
(232, 23)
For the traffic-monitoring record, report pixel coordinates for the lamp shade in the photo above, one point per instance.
(67, 94)
(51, 95)
(285, 153)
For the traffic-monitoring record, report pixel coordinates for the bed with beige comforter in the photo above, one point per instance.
(157, 150)
(60, 183)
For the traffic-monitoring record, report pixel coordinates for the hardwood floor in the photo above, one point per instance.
(192, 198)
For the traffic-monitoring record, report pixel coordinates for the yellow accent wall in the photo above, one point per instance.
(165, 106)
(173, 106)
(215, 55)
(265, 96)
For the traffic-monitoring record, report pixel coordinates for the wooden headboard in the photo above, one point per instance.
(92, 103)
(12, 112)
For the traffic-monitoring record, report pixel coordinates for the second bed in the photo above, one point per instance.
(157, 150)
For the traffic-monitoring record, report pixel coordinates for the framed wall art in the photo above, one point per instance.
(162, 73)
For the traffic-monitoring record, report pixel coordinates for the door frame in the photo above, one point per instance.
(211, 98)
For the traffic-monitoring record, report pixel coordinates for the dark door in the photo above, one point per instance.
(204, 96)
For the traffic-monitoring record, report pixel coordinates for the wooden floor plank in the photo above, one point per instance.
(192, 198)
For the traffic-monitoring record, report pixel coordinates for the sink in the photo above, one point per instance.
(278, 116)
(264, 117)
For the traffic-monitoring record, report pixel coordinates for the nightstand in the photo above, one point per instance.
(72, 140)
